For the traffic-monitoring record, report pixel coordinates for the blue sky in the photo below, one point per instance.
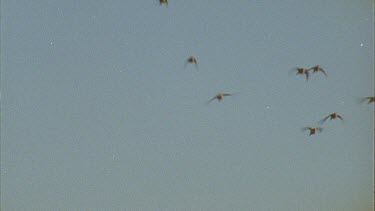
(98, 111)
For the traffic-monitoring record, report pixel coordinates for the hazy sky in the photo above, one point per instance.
(99, 113)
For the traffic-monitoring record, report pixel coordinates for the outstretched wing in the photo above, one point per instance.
(212, 99)
(292, 71)
(311, 68)
(321, 69)
(366, 99)
(307, 75)
(338, 116)
(323, 120)
(306, 128)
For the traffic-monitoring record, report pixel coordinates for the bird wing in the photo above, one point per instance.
(212, 99)
(311, 68)
(323, 120)
(306, 128)
(307, 75)
(340, 117)
(370, 99)
(293, 70)
(323, 71)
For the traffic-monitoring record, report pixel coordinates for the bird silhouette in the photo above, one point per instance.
(317, 68)
(331, 116)
(312, 130)
(192, 60)
(163, 2)
(219, 97)
(301, 71)
(369, 99)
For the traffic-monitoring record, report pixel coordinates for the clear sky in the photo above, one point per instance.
(99, 113)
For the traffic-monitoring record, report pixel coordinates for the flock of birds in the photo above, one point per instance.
(299, 71)
(303, 71)
(315, 69)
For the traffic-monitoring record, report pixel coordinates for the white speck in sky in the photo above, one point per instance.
(268, 107)
(114, 156)
(361, 44)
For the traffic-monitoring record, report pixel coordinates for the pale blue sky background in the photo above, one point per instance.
(98, 112)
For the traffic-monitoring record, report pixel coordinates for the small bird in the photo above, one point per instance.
(163, 2)
(331, 116)
(369, 99)
(219, 97)
(302, 71)
(318, 68)
(192, 59)
(313, 130)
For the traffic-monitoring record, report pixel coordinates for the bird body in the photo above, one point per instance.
(317, 68)
(163, 2)
(302, 71)
(192, 59)
(313, 130)
(219, 97)
(332, 116)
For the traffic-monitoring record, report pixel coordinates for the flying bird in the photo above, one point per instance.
(302, 71)
(192, 60)
(163, 2)
(318, 68)
(219, 97)
(369, 99)
(313, 130)
(331, 116)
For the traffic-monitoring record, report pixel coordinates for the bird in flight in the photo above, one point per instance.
(163, 2)
(191, 60)
(219, 97)
(313, 130)
(369, 99)
(318, 68)
(331, 116)
(302, 71)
